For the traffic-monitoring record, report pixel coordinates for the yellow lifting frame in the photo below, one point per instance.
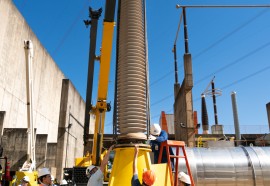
(101, 106)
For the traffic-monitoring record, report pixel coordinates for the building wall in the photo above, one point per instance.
(70, 128)
(47, 78)
(47, 90)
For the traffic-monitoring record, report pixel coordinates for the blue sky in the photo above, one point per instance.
(232, 44)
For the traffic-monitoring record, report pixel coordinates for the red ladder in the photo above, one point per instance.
(177, 144)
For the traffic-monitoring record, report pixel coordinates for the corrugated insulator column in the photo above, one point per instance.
(205, 124)
(131, 69)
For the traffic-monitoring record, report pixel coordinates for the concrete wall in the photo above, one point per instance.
(183, 108)
(170, 122)
(47, 91)
(70, 128)
(14, 142)
(46, 75)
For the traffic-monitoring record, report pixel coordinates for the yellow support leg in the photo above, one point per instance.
(122, 170)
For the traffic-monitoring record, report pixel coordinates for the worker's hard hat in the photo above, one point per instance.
(43, 172)
(87, 172)
(149, 177)
(63, 182)
(26, 179)
(155, 129)
(184, 177)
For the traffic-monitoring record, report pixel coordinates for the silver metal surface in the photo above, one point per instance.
(241, 166)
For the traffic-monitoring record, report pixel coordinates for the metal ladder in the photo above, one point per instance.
(175, 144)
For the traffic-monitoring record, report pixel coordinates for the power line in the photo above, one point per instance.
(164, 76)
(216, 42)
(241, 79)
(220, 70)
(161, 100)
(230, 33)
(247, 77)
(70, 29)
(233, 63)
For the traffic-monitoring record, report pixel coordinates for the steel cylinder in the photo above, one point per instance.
(241, 166)
(131, 69)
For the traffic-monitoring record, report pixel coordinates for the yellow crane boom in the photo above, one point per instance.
(105, 58)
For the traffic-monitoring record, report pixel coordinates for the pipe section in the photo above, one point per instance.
(131, 69)
(241, 166)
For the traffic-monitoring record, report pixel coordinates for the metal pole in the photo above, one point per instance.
(69, 125)
(185, 31)
(214, 102)
(175, 64)
(67, 146)
(94, 15)
(223, 6)
(28, 46)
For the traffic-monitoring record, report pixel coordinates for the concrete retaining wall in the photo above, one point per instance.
(50, 118)
(47, 78)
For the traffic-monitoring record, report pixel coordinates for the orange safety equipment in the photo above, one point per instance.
(149, 177)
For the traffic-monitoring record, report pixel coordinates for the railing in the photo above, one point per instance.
(246, 129)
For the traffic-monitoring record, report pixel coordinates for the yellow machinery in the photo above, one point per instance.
(131, 97)
(122, 166)
(102, 106)
(32, 176)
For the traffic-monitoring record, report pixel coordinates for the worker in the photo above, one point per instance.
(95, 174)
(63, 182)
(184, 179)
(24, 181)
(44, 177)
(148, 177)
(157, 137)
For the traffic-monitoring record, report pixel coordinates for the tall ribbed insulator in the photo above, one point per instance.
(205, 124)
(131, 69)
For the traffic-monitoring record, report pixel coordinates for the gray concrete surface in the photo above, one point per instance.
(70, 128)
(51, 112)
(183, 109)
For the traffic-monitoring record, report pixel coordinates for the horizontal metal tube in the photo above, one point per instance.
(241, 166)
